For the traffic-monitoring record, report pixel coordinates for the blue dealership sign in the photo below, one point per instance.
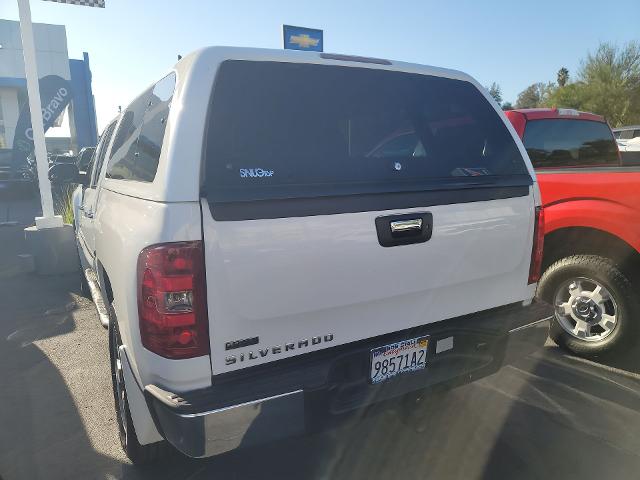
(301, 38)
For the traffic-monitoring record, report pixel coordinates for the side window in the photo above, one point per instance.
(139, 140)
(153, 128)
(101, 150)
(626, 134)
(636, 133)
(124, 144)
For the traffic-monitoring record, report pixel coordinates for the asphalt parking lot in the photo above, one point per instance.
(545, 414)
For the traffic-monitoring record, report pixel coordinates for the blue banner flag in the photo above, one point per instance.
(55, 95)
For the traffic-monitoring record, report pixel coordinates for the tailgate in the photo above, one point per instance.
(293, 281)
(335, 213)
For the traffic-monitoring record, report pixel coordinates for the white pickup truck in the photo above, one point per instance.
(274, 238)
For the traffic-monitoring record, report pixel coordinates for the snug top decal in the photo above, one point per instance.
(255, 173)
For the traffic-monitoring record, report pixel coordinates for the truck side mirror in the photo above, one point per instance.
(60, 173)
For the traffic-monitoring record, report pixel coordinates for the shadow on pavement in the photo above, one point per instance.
(570, 418)
(629, 361)
(18, 206)
(42, 433)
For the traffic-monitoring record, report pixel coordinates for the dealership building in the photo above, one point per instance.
(52, 60)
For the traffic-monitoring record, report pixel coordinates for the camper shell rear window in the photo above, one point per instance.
(289, 130)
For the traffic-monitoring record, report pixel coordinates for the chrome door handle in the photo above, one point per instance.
(400, 226)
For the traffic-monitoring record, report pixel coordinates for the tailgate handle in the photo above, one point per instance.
(412, 225)
(404, 229)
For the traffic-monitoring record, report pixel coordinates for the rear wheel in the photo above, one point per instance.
(137, 453)
(594, 302)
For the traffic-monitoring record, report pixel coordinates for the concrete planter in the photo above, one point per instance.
(53, 249)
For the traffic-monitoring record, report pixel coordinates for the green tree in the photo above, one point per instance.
(612, 79)
(496, 92)
(608, 84)
(535, 95)
(569, 96)
(507, 106)
(563, 77)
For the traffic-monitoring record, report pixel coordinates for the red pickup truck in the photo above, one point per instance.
(592, 228)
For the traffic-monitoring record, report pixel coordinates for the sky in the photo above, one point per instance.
(132, 43)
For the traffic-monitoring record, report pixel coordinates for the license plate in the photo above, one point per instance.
(396, 358)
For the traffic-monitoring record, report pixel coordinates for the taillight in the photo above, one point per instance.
(172, 305)
(537, 249)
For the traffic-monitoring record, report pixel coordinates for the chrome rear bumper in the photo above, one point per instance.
(221, 430)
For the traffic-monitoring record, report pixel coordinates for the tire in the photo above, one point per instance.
(137, 453)
(603, 319)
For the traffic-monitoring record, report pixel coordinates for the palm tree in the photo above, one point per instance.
(563, 76)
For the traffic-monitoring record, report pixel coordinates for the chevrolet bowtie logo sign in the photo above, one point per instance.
(300, 38)
(304, 41)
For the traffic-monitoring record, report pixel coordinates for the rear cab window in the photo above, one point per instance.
(561, 142)
(287, 131)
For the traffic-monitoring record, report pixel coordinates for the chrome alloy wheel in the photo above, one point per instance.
(585, 309)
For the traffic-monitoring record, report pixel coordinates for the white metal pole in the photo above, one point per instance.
(48, 219)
